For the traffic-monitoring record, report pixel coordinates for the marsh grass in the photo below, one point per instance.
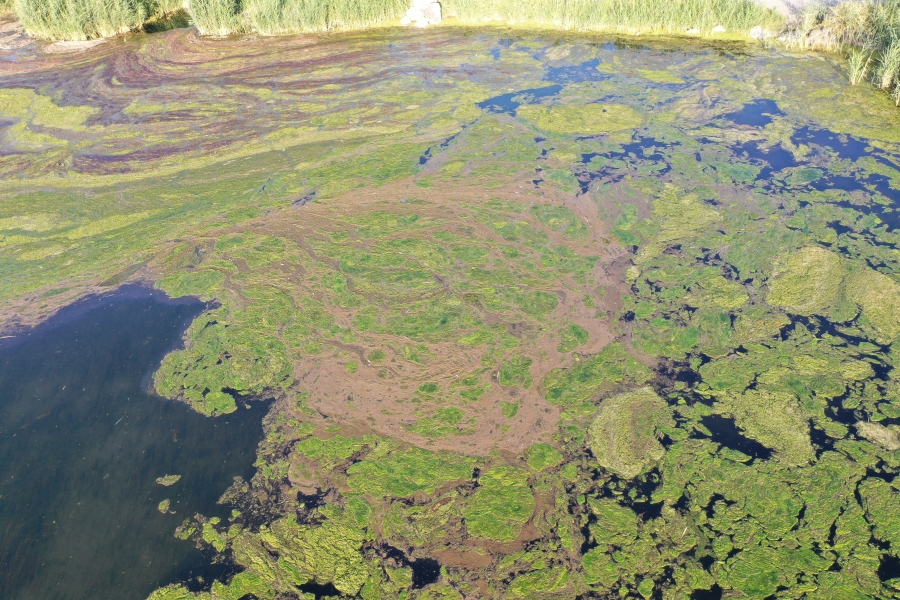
(672, 16)
(866, 31)
(272, 17)
(858, 63)
(84, 19)
(217, 17)
(87, 19)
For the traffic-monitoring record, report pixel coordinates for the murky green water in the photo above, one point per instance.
(82, 444)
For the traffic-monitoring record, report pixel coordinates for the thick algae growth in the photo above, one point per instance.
(547, 320)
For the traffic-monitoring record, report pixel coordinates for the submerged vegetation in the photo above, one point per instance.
(647, 352)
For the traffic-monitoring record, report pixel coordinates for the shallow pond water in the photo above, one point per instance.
(544, 313)
(82, 443)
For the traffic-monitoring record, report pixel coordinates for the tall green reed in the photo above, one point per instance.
(217, 17)
(87, 19)
(80, 19)
(670, 16)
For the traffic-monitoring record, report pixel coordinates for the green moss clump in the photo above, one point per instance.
(680, 216)
(589, 119)
(287, 555)
(623, 435)
(600, 373)
(230, 351)
(501, 506)
(202, 283)
(616, 525)
(543, 456)
(509, 409)
(330, 452)
(878, 297)
(663, 337)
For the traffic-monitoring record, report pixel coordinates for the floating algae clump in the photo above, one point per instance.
(572, 336)
(590, 119)
(887, 437)
(613, 365)
(717, 292)
(168, 480)
(815, 281)
(808, 281)
(405, 472)
(774, 419)
(501, 506)
(623, 435)
(543, 456)
(539, 584)
(878, 297)
(680, 216)
(516, 372)
(420, 525)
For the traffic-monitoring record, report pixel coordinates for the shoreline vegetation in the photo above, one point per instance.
(865, 32)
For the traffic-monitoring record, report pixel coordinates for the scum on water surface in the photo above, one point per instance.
(633, 334)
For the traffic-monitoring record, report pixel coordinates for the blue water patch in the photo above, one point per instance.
(758, 113)
(429, 153)
(586, 71)
(643, 149)
(508, 103)
(775, 158)
(844, 146)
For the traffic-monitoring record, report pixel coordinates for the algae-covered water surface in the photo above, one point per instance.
(544, 316)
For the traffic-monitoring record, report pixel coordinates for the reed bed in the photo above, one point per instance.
(273, 17)
(87, 19)
(867, 32)
(650, 16)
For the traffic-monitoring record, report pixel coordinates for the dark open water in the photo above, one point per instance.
(82, 443)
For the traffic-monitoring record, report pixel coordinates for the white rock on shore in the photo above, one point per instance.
(423, 13)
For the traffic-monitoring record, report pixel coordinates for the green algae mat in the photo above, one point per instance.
(543, 316)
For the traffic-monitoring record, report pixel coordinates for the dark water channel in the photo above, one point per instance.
(82, 443)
